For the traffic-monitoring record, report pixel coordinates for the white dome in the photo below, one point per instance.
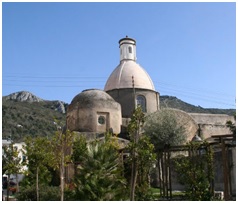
(121, 77)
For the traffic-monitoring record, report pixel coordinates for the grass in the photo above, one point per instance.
(155, 190)
(175, 194)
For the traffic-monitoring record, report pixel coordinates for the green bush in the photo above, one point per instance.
(195, 172)
(47, 193)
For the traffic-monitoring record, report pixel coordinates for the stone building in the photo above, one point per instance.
(93, 112)
(96, 111)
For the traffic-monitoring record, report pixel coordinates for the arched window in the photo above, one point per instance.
(140, 100)
(130, 50)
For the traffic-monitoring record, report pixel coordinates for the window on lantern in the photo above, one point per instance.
(130, 50)
(140, 100)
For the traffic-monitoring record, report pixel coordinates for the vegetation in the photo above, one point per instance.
(144, 160)
(99, 174)
(22, 119)
(38, 158)
(11, 163)
(196, 171)
(60, 154)
(173, 102)
(232, 126)
(99, 170)
(47, 193)
(141, 158)
(164, 129)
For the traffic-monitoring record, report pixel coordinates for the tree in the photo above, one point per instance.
(99, 170)
(60, 153)
(38, 157)
(164, 129)
(144, 160)
(142, 156)
(134, 129)
(11, 163)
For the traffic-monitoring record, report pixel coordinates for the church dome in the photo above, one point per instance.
(90, 97)
(94, 111)
(121, 77)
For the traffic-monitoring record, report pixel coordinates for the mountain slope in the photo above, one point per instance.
(25, 114)
(173, 102)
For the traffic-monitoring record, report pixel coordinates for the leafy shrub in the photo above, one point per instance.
(196, 172)
(47, 193)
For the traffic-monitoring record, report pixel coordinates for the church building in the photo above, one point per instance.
(95, 111)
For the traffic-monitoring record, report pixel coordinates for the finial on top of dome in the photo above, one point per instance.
(126, 36)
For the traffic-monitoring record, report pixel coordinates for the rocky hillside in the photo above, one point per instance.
(24, 114)
(23, 96)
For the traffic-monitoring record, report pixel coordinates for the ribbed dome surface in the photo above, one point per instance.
(121, 77)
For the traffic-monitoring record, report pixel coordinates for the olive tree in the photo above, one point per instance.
(164, 128)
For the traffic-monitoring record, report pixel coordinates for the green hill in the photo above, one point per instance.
(23, 118)
(173, 102)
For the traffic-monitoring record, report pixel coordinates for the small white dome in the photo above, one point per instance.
(121, 77)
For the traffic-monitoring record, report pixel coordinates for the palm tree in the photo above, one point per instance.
(99, 176)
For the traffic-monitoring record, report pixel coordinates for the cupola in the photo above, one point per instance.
(122, 75)
(127, 49)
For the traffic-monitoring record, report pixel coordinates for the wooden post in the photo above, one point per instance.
(210, 173)
(170, 178)
(162, 171)
(159, 167)
(229, 160)
(225, 169)
(166, 172)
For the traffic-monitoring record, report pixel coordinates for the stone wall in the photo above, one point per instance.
(212, 124)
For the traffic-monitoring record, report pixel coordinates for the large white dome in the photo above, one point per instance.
(121, 77)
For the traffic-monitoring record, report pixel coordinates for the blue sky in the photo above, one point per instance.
(56, 50)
